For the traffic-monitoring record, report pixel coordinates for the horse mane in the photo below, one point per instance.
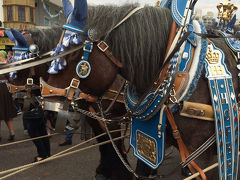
(46, 38)
(139, 43)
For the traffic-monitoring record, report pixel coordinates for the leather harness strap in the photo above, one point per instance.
(182, 147)
(13, 89)
(105, 49)
(72, 88)
(49, 91)
(171, 36)
(118, 93)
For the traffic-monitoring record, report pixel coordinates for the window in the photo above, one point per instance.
(31, 15)
(21, 13)
(46, 22)
(9, 13)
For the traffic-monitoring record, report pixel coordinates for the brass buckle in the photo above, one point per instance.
(102, 49)
(29, 81)
(74, 83)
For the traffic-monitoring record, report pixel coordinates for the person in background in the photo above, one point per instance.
(16, 100)
(10, 56)
(37, 127)
(7, 107)
(68, 137)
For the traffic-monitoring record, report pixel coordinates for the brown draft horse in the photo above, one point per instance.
(40, 37)
(139, 44)
(109, 161)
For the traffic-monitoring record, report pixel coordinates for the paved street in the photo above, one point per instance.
(79, 166)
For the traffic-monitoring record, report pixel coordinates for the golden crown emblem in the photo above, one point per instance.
(226, 10)
(212, 57)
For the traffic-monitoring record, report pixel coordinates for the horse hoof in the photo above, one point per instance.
(100, 177)
(186, 172)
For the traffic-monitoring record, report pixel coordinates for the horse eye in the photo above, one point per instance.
(34, 49)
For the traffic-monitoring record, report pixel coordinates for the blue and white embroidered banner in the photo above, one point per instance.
(225, 112)
(148, 139)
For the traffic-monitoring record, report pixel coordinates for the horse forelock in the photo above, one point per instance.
(46, 39)
(139, 43)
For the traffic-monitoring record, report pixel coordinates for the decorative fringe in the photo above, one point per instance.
(18, 56)
(70, 38)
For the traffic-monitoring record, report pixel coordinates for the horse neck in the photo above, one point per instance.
(141, 45)
(46, 39)
(41, 71)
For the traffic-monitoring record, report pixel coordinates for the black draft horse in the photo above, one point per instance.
(140, 44)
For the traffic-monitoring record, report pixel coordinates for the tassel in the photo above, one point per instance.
(13, 75)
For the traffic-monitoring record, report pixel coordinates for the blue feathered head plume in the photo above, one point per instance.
(21, 48)
(10, 36)
(78, 17)
(67, 8)
(21, 42)
(78, 20)
(231, 23)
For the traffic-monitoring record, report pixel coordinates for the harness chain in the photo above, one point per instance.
(115, 147)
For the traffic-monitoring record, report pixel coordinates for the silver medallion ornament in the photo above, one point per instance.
(92, 35)
(83, 69)
(34, 49)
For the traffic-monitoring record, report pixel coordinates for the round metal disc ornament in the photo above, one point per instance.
(34, 49)
(83, 69)
(92, 35)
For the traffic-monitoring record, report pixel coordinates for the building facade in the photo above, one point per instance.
(25, 14)
(49, 13)
(19, 14)
(208, 18)
(1, 13)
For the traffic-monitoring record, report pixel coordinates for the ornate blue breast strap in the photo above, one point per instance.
(225, 112)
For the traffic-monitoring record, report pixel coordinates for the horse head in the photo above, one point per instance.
(29, 44)
(115, 49)
(94, 78)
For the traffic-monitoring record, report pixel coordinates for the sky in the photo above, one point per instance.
(205, 5)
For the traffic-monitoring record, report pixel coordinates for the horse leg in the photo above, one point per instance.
(110, 166)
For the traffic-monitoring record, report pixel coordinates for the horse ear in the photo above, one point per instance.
(20, 39)
(67, 8)
(10, 36)
(78, 17)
